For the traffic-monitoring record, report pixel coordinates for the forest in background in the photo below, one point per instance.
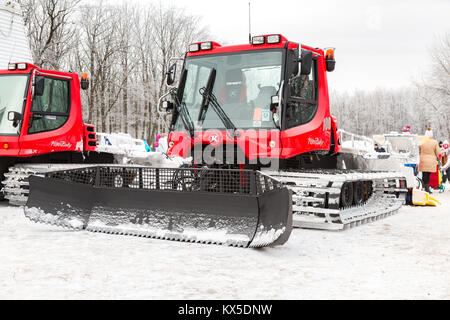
(126, 48)
(424, 103)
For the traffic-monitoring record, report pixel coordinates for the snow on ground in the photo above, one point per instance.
(406, 256)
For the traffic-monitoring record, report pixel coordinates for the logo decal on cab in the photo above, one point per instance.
(60, 144)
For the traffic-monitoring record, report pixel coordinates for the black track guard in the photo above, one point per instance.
(151, 204)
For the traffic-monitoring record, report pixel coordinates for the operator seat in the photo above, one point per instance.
(264, 96)
(235, 90)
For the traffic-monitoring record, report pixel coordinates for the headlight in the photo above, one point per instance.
(206, 46)
(275, 38)
(258, 40)
(194, 47)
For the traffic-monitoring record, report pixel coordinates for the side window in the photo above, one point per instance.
(302, 104)
(51, 110)
(303, 87)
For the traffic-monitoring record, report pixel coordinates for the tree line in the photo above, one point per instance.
(422, 104)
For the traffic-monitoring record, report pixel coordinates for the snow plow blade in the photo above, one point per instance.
(241, 208)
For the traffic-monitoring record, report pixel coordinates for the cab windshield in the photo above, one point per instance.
(244, 85)
(12, 94)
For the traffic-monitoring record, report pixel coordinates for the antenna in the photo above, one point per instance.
(249, 24)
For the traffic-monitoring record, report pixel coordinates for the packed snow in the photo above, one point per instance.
(405, 256)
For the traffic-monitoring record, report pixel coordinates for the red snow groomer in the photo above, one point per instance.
(255, 118)
(41, 124)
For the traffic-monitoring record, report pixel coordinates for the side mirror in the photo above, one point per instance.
(306, 62)
(39, 86)
(167, 105)
(274, 102)
(15, 117)
(171, 74)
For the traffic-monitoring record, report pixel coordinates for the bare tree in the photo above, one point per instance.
(125, 49)
(435, 88)
(49, 29)
(172, 31)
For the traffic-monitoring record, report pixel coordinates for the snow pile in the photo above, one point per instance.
(38, 215)
(356, 146)
(157, 159)
(265, 236)
(119, 143)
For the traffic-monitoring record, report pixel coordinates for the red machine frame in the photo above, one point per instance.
(314, 136)
(72, 136)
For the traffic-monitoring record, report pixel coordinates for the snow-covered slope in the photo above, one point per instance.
(403, 256)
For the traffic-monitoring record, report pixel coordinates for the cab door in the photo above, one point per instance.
(48, 126)
(307, 122)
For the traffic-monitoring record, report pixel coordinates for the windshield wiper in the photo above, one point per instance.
(221, 113)
(186, 118)
(205, 92)
(210, 98)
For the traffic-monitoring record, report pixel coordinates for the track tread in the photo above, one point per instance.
(310, 184)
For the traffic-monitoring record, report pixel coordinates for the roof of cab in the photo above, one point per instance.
(217, 48)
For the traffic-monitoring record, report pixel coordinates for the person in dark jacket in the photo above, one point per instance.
(378, 148)
(445, 162)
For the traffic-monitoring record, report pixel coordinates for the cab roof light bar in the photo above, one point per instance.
(269, 39)
(195, 47)
(17, 66)
(256, 40)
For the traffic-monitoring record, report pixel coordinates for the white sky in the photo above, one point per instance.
(379, 43)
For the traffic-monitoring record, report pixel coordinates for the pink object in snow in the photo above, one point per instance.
(158, 136)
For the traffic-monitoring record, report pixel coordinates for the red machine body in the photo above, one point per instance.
(319, 135)
(41, 119)
(73, 135)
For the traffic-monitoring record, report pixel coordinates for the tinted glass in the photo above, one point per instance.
(55, 97)
(51, 110)
(302, 105)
